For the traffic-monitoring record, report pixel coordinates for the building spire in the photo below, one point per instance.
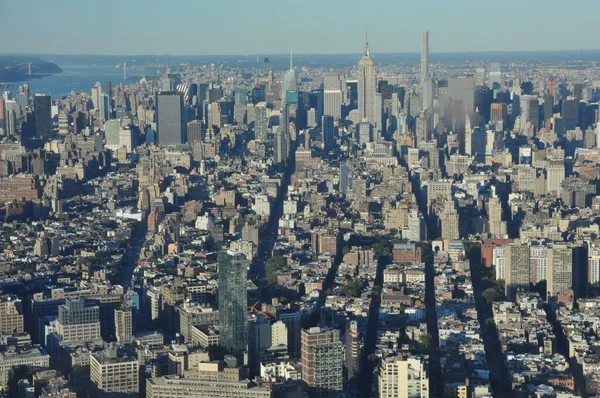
(367, 53)
(291, 54)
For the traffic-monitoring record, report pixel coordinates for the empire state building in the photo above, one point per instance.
(367, 88)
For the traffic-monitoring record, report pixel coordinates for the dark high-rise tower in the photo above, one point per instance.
(42, 106)
(233, 303)
(327, 127)
(171, 125)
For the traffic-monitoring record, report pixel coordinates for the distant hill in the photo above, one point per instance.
(15, 68)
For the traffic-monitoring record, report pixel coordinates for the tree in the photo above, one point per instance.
(490, 295)
(273, 265)
(354, 288)
(425, 342)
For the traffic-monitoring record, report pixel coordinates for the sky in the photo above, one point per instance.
(237, 27)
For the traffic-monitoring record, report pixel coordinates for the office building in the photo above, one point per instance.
(479, 76)
(289, 86)
(462, 92)
(497, 227)
(2, 114)
(559, 278)
(177, 387)
(403, 377)
(364, 133)
(322, 361)
(530, 111)
(171, 124)
(96, 93)
(104, 107)
(424, 56)
(422, 128)
(516, 260)
(570, 114)
(261, 122)
(194, 131)
(114, 374)
(367, 89)
(42, 106)
(111, 133)
(78, 322)
(259, 339)
(555, 175)
(281, 145)
(35, 358)
(495, 76)
(352, 350)
(328, 130)
(499, 112)
(11, 314)
(233, 303)
(449, 221)
(334, 86)
(427, 93)
(124, 324)
(344, 177)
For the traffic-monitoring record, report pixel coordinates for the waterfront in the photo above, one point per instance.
(79, 78)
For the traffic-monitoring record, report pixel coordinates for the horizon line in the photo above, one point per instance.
(297, 54)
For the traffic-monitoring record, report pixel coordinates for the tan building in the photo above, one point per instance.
(559, 270)
(205, 336)
(111, 373)
(177, 387)
(124, 325)
(34, 358)
(516, 269)
(11, 314)
(402, 377)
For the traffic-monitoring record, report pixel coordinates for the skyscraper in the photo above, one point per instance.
(322, 361)
(171, 127)
(559, 270)
(124, 324)
(327, 127)
(367, 88)
(530, 111)
(353, 350)
(281, 145)
(42, 106)
(555, 175)
(261, 122)
(570, 114)
(344, 177)
(462, 88)
(495, 76)
(290, 83)
(2, 114)
(233, 303)
(424, 56)
(516, 269)
(334, 85)
(499, 112)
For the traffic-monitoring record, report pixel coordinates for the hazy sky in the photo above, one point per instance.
(215, 27)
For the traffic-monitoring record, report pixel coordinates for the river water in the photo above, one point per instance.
(78, 78)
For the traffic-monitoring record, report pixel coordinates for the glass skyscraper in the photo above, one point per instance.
(42, 106)
(233, 303)
(171, 124)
